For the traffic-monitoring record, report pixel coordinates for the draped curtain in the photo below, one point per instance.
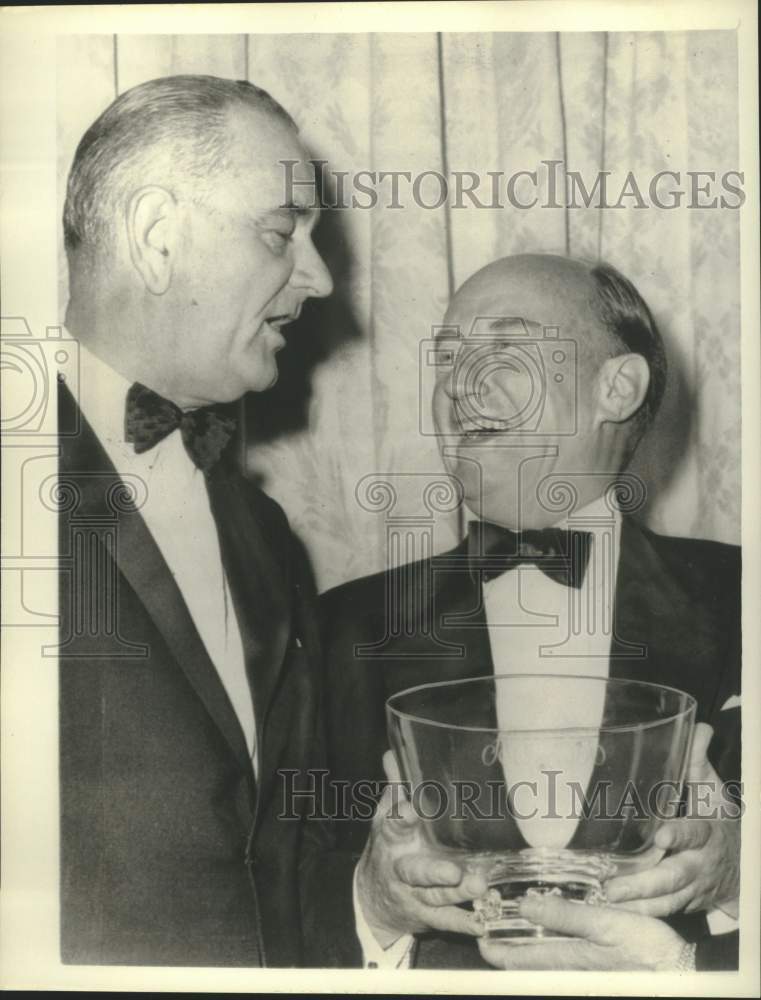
(350, 404)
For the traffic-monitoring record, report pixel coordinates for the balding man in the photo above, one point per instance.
(549, 371)
(189, 653)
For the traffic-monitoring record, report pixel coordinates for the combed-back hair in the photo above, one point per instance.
(174, 130)
(632, 328)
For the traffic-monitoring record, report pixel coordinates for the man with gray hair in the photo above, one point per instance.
(189, 653)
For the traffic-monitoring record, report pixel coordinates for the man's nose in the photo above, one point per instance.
(310, 272)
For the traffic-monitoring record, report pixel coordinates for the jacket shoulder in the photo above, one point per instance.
(267, 508)
(699, 559)
(367, 591)
(707, 573)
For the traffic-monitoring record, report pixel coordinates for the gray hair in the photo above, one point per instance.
(176, 124)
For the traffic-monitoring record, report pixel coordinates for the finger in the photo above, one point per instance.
(552, 955)
(683, 834)
(452, 919)
(698, 761)
(664, 879)
(660, 906)
(700, 776)
(471, 887)
(596, 923)
(424, 870)
(395, 816)
(391, 767)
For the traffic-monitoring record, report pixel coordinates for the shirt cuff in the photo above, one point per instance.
(720, 922)
(398, 955)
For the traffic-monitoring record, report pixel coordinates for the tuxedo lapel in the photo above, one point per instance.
(442, 634)
(85, 464)
(460, 614)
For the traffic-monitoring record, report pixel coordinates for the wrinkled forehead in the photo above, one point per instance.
(269, 163)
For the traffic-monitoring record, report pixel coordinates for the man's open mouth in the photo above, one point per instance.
(481, 427)
(282, 319)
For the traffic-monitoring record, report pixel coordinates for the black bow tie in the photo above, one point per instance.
(561, 554)
(149, 418)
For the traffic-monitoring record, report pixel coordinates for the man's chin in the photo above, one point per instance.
(272, 382)
(514, 512)
(263, 378)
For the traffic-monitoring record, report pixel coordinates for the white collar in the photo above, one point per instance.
(596, 517)
(101, 395)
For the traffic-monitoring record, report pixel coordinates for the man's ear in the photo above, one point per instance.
(622, 386)
(152, 236)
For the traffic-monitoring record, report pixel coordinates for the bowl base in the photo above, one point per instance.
(571, 875)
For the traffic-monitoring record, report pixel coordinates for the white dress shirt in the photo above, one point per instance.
(537, 625)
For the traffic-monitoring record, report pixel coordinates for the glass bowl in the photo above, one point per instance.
(543, 783)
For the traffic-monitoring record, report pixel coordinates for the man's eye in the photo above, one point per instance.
(445, 351)
(279, 239)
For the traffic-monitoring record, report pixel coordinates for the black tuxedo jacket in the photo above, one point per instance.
(171, 852)
(676, 622)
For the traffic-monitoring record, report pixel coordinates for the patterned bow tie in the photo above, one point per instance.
(560, 554)
(149, 418)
